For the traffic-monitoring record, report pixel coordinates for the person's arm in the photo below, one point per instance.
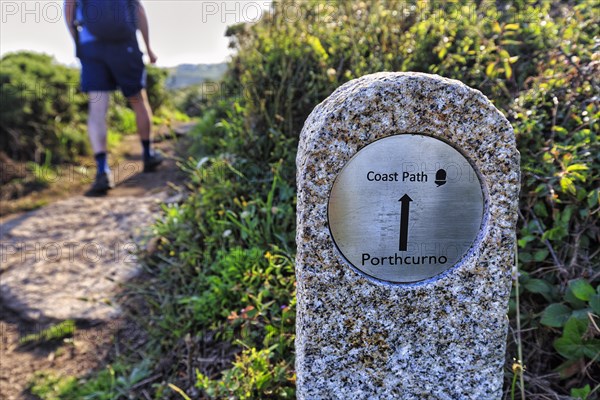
(70, 17)
(143, 27)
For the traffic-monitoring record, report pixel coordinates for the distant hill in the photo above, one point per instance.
(185, 75)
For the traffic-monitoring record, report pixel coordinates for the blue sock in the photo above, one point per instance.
(147, 151)
(101, 164)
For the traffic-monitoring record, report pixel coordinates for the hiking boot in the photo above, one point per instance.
(155, 159)
(101, 185)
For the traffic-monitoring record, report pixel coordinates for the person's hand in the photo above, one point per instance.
(152, 56)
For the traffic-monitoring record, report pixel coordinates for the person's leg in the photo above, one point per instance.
(98, 82)
(143, 113)
(97, 129)
(143, 118)
(98, 108)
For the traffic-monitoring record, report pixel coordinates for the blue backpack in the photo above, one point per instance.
(110, 20)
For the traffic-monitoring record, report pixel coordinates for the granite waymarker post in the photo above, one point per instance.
(407, 197)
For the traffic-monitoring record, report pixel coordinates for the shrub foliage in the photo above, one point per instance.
(538, 63)
(39, 98)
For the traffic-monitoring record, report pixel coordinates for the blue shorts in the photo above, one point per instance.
(108, 66)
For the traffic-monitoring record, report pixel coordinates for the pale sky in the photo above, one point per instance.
(181, 31)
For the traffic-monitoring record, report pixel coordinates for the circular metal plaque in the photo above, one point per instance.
(406, 208)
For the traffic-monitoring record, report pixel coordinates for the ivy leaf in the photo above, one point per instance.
(582, 289)
(555, 315)
(573, 300)
(572, 345)
(565, 216)
(575, 328)
(539, 286)
(581, 314)
(524, 240)
(556, 233)
(540, 255)
(581, 393)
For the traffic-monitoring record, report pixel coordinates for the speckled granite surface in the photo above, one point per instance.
(443, 338)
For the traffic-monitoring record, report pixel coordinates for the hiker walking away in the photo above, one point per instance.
(104, 32)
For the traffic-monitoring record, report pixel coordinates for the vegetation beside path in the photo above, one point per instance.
(219, 301)
(44, 148)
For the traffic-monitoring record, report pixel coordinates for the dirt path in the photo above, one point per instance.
(68, 260)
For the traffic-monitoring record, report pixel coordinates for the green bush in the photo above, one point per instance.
(557, 121)
(38, 98)
(158, 96)
(536, 62)
(194, 100)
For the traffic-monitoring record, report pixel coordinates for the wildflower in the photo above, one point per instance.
(268, 255)
(245, 214)
(517, 367)
(515, 273)
(227, 233)
(331, 73)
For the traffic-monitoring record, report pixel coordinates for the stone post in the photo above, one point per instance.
(407, 199)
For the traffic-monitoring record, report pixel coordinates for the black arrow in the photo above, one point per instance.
(405, 206)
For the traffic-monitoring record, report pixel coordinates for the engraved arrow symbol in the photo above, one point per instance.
(404, 208)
